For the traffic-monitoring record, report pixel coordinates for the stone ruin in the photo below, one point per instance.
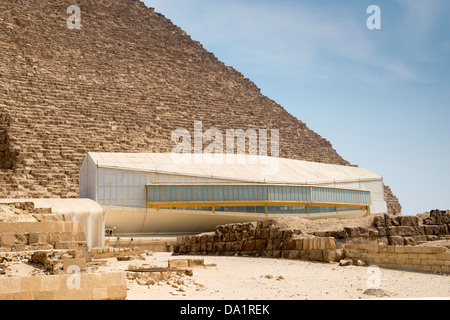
(121, 83)
(44, 257)
(401, 242)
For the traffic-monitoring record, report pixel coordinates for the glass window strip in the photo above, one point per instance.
(167, 193)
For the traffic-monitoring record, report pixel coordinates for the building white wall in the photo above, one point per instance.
(127, 188)
(375, 187)
(123, 187)
(88, 179)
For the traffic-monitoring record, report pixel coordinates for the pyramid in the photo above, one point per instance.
(123, 82)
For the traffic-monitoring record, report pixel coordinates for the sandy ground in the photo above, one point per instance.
(240, 278)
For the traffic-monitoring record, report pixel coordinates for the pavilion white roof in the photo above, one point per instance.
(235, 167)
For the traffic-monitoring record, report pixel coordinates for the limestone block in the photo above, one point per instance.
(75, 294)
(8, 239)
(432, 238)
(220, 247)
(390, 221)
(405, 230)
(9, 285)
(443, 230)
(265, 233)
(412, 221)
(178, 263)
(400, 249)
(340, 234)
(276, 253)
(330, 255)
(34, 238)
(177, 249)
(278, 244)
(431, 230)
(293, 254)
(19, 247)
(66, 245)
(288, 244)
(353, 231)
(80, 263)
(420, 238)
(444, 256)
(196, 247)
(45, 295)
(437, 250)
(396, 241)
(314, 255)
(260, 245)
(79, 236)
(364, 231)
(192, 263)
(275, 234)
(249, 245)
(7, 227)
(330, 243)
(21, 238)
(298, 244)
(50, 283)
(30, 284)
(373, 232)
(100, 293)
(268, 223)
(392, 231)
(409, 241)
(379, 221)
(66, 236)
(287, 234)
(117, 292)
(114, 278)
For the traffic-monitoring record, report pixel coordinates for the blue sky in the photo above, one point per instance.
(381, 97)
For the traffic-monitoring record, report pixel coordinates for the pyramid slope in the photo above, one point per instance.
(122, 83)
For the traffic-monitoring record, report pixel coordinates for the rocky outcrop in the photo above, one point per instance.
(265, 238)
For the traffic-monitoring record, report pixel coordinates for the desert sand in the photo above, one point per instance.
(242, 278)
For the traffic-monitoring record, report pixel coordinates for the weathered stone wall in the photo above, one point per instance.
(265, 239)
(122, 83)
(28, 236)
(93, 286)
(163, 245)
(110, 252)
(40, 230)
(430, 259)
(399, 230)
(260, 239)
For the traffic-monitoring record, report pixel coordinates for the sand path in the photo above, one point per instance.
(241, 278)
